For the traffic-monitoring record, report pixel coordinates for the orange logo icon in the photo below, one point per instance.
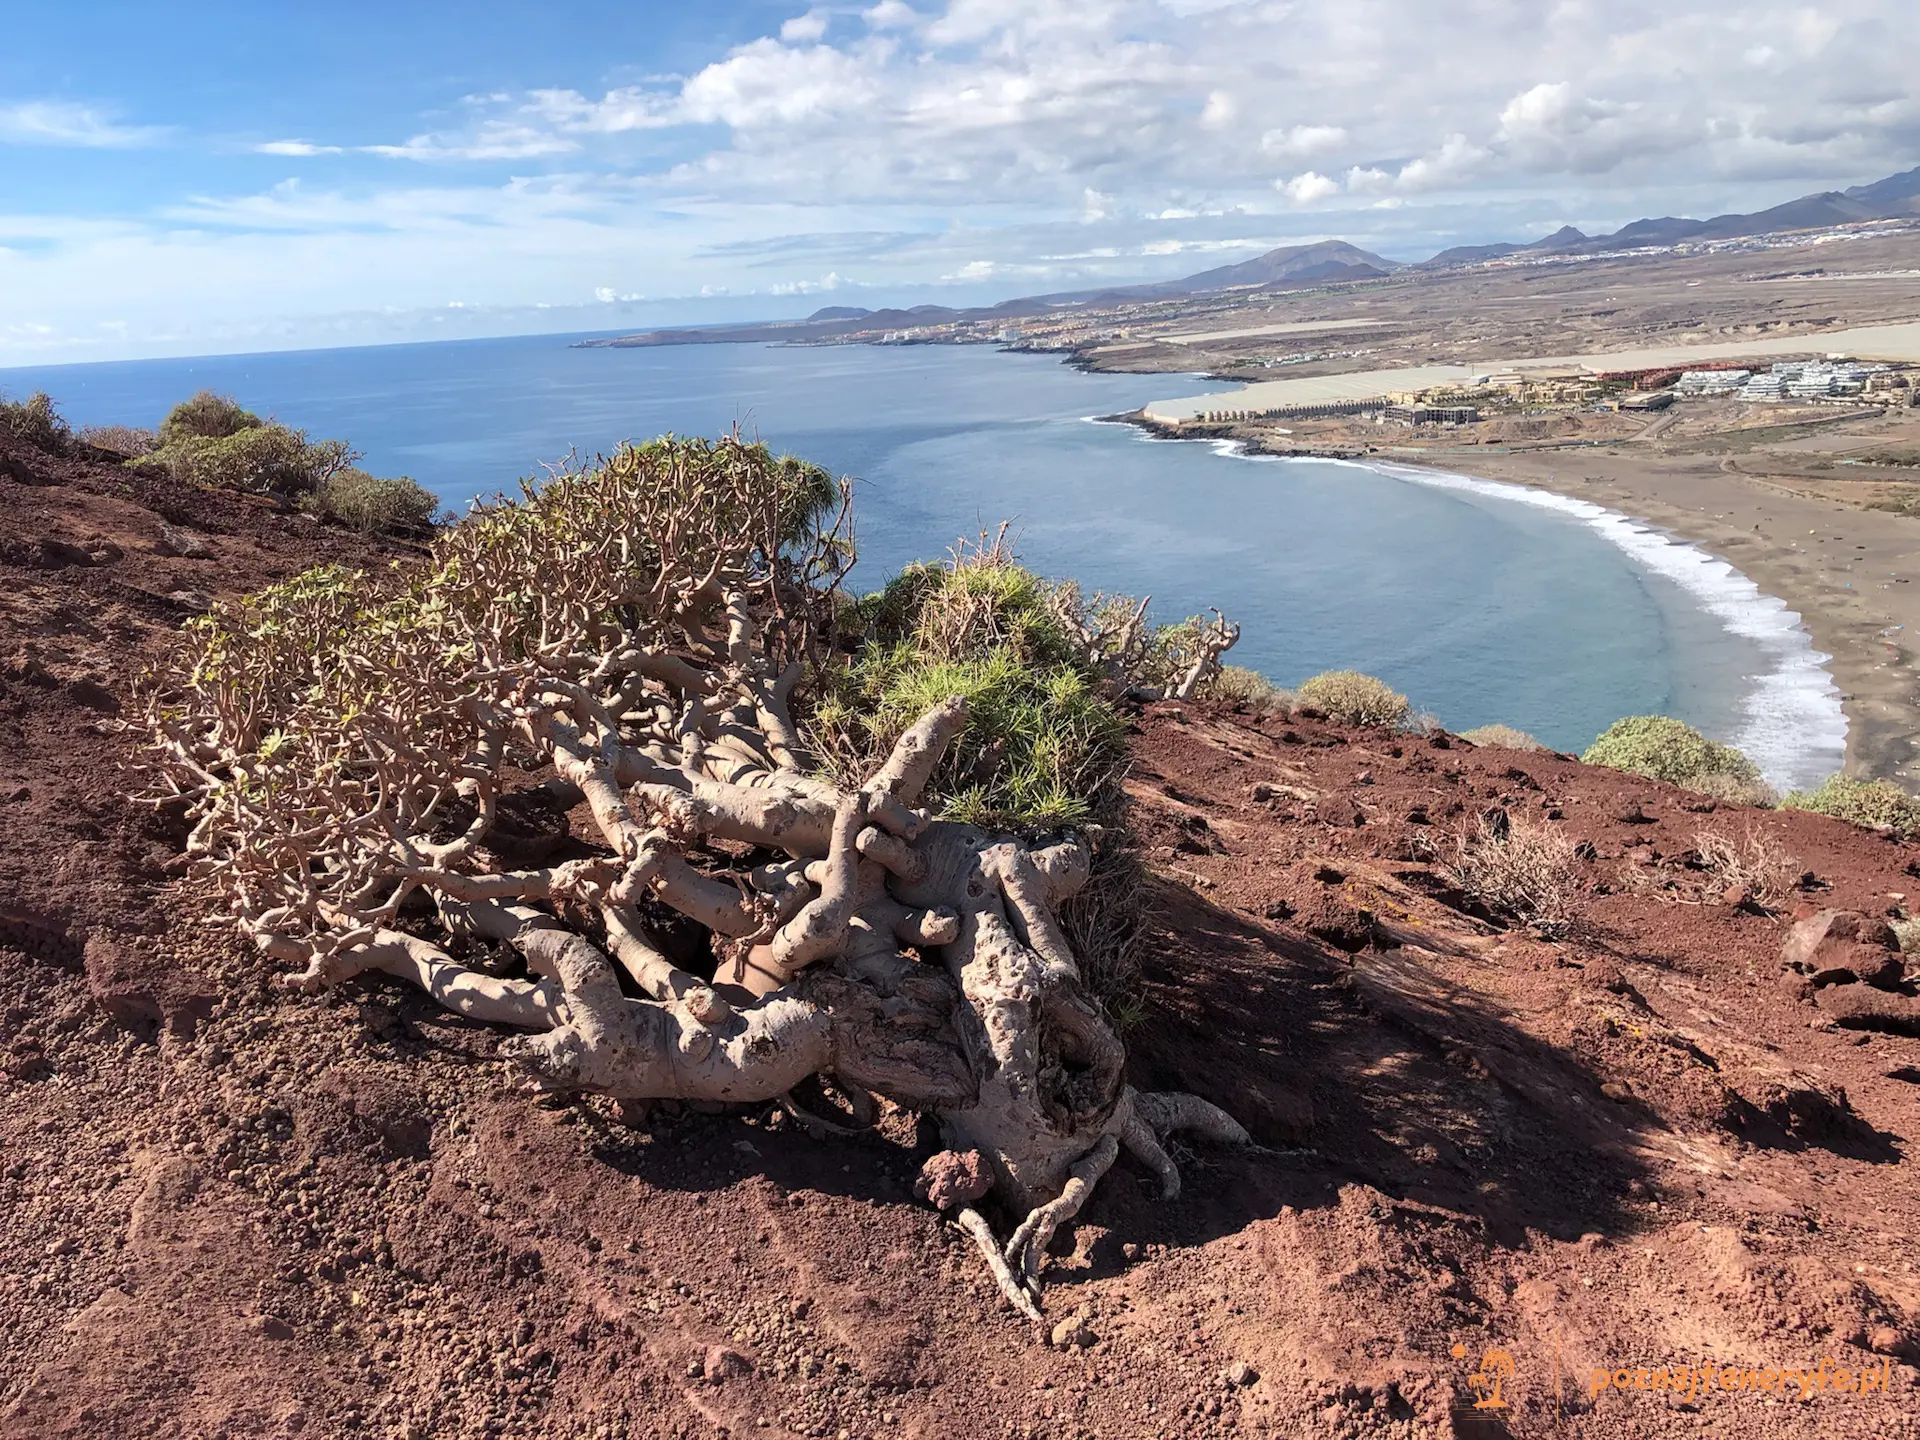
(1489, 1381)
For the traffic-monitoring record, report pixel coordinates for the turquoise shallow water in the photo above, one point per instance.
(1481, 608)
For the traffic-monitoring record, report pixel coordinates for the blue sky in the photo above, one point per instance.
(197, 177)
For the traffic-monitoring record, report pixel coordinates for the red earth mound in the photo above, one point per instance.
(1569, 1176)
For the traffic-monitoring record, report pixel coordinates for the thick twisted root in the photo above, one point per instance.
(1138, 1124)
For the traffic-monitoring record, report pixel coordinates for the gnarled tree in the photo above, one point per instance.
(366, 762)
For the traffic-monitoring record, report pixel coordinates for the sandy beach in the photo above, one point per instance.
(1848, 572)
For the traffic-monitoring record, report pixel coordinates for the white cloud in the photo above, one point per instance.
(1454, 163)
(61, 122)
(1188, 247)
(296, 148)
(805, 29)
(1303, 140)
(492, 141)
(766, 84)
(975, 270)
(1032, 103)
(1031, 137)
(827, 283)
(1307, 187)
(891, 15)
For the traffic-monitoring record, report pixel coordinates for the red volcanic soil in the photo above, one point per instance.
(1634, 1151)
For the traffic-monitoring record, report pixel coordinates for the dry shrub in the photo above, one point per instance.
(1756, 864)
(1520, 869)
(1106, 925)
(1349, 698)
(1237, 685)
(127, 441)
(1501, 737)
(1735, 790)
(34, 421)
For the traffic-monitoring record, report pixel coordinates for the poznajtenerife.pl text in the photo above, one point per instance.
(1689, 1381)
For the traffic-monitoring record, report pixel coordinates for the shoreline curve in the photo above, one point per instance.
(1795, 725)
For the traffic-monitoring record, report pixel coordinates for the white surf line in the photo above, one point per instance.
(1794, 726)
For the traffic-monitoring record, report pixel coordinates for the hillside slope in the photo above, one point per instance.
(225, 1212)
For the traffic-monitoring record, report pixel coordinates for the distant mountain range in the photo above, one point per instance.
(1299, 266)
(1895, 198)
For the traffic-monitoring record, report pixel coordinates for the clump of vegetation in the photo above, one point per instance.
(129, 442)
(1754, 863)
(212, 441)
(1520, 869)
(1237, 685)
(1903, 457)
(1043, 746)
(1662, 748)
(736, 920)
(33, 421)
(1736, 790)
(1876, 804)
(1501, 737)
(1349, 698)
(1902, 500)
(367, 502)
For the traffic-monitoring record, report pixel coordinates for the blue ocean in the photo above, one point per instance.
(1482, 602)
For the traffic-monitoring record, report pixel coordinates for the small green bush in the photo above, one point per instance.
(1041, 749)
(1043, 746)
(1349, 698)
(1237, 685)
(1876, 804)
(270, 458)
(33, 421)
(127, 441)
(1662, 748)
(367, 502)
(206, 416)
(1501, 737)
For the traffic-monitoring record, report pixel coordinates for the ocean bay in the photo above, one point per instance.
(1480, 608)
